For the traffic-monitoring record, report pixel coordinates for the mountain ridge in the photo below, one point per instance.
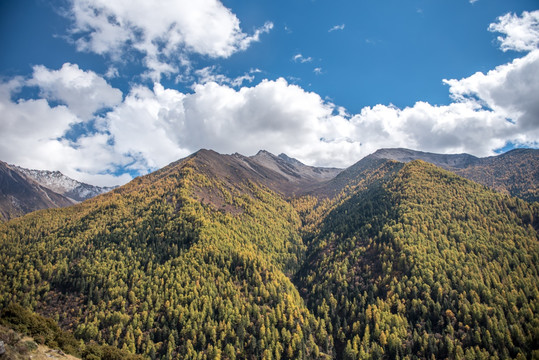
(515, 172)
(64, 185)
(20, 194)
(446, 161)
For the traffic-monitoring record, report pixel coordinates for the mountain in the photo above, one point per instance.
(294, 170)
(233, 257)
(419, 264)
(281, 174)
(446, 161)
(515, 172)
(66, 186)
(192, 260)
(19, 194)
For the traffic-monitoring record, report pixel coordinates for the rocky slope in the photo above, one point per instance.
(64, 185)
(292, 169)
(446, 161)
(19, 194)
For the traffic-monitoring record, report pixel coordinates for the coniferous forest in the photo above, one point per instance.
(388, 260)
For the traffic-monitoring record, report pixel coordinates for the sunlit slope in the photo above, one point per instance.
(426, 264)
(182, 263)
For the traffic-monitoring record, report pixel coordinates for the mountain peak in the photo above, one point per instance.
(264, 152)
(62, 184)
(20, 194)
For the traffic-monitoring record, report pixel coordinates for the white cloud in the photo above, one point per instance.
(164, 124)
(336, 27)
(164, 33)
(152, 127)
(510, 90)
(146, 127)
(33, 131)
(112, 72)
(84, 92)
(302, 59)
(210, 73)
(318, 71)
(520, 33)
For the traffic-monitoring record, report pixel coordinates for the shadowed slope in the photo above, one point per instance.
(20, 195)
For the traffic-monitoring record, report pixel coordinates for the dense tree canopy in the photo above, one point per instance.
(407, 261)
(427, 264)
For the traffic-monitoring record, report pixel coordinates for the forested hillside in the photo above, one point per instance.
(515, 172)
(426, 264)
(152, 270)
(209, 258)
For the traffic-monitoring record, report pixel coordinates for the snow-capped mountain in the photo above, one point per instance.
(19, 194)
(61, 184)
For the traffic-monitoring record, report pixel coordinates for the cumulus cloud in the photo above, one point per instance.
(519, 33)
(84, 92)
(152, 127)
(511, 90)
(165, 33)
(164, 124)
(33, 131)
(282, 117)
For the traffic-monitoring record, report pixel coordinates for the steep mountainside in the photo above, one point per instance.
(281, 174)
(188, 262)
(426, 264)
(515, 172)
(20, 195)
(219, 257)
(294, 170)
(61, 184)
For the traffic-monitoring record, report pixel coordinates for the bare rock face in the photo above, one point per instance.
(293, 169)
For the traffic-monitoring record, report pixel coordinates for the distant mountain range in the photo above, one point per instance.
(515, 173)
(24, 190)
(66, 186)
(20, 194)
(262, 257)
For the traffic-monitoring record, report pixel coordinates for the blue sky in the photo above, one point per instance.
(107, 90)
